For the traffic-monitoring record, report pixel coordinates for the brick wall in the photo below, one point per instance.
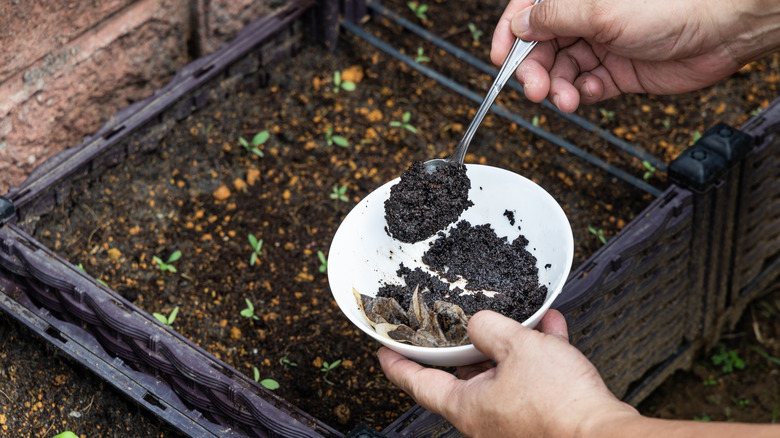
(67, 66)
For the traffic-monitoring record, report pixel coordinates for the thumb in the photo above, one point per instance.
(554, 18)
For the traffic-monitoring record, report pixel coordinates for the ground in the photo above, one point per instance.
(203, 194)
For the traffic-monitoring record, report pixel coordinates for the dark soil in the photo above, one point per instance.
(202, 194)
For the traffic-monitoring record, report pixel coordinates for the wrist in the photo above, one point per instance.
(613, 420)
(752, 29)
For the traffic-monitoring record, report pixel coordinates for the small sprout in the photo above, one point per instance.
(667, 123)
(606, 115)
(167, 320)
(257, 249)
(476, 34)
(404, 123)
(649, 170)
(335, 139)
(327, 368)
(323, 261)
(267, 383)
(168, 264)
(286, 362)
(66, 434)
(710, 381)
(598, 233)
(704, 418)
(419, 10)
(535, 121)
(85, 271)
(743, 402)
(421, 57)
(728, 360)
(339, 84)
(339, 193)
(696, 135)
(258, 140)
(249, 312)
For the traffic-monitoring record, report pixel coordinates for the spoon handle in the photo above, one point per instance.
(520, 50)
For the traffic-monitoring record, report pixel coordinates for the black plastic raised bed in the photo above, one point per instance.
(640, 307)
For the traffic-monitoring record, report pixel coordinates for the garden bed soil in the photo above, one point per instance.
(200, 192)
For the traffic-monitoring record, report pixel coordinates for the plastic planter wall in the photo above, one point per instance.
(640, 308)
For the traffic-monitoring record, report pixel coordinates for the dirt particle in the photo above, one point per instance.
(235, 333)
(353, 74)
(252, 176)
(240, 185)
(114, 254)
(221, 193)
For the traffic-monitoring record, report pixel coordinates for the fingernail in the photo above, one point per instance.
(555, 100)
(521, 21)
(586, 89)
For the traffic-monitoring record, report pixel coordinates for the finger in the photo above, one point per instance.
(535, 80)
(553, 323)
(554, 18)
(469, 371)
(493, 334)
(429, 387)
(503, 38)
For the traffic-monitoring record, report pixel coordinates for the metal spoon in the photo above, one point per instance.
(520, 50)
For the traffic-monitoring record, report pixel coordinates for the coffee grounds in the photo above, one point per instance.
(423, 203)
(487, 262)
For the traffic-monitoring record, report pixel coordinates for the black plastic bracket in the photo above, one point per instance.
(699, 167)
(364, 431)
(7, 210)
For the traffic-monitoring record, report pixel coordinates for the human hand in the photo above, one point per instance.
(541, 386)
(595, 50)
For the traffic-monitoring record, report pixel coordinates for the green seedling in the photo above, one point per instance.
(85, 271)
(286, 362)
(66, 434)
(743, 403)
(419, 10)
(323, 261)
(535, 121)
(339, 193)
(331, 139)
(421, 57)
(649, 170)
(167, 265)
(598, 233)
(696, 136)
(167, 320)
(710, 381)
(404, 123)
(258, 140)
(476, 34)
(702, 418)
(267, 383)
(728, 360)
(327, 368)
(667, 123)
(249, 312)
(606, 115)
(257, 249)
(339, 84)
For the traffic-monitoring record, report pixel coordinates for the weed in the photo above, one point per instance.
(258, 140)
(339, 193)
(404, 123)
(339, 84)
(167, 265)
(286, 362)
(421, 57)
(743, 403)
(710, 381)
(249, 312)
(728, 360)
(649, 170)
(419, 10)
(167, 320)
(331, 139)
(327, 368)
(598, 233)
(257, 249)
(323, 261)
(476, 34)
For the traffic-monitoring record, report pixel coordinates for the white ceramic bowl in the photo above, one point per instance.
(363, 256)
